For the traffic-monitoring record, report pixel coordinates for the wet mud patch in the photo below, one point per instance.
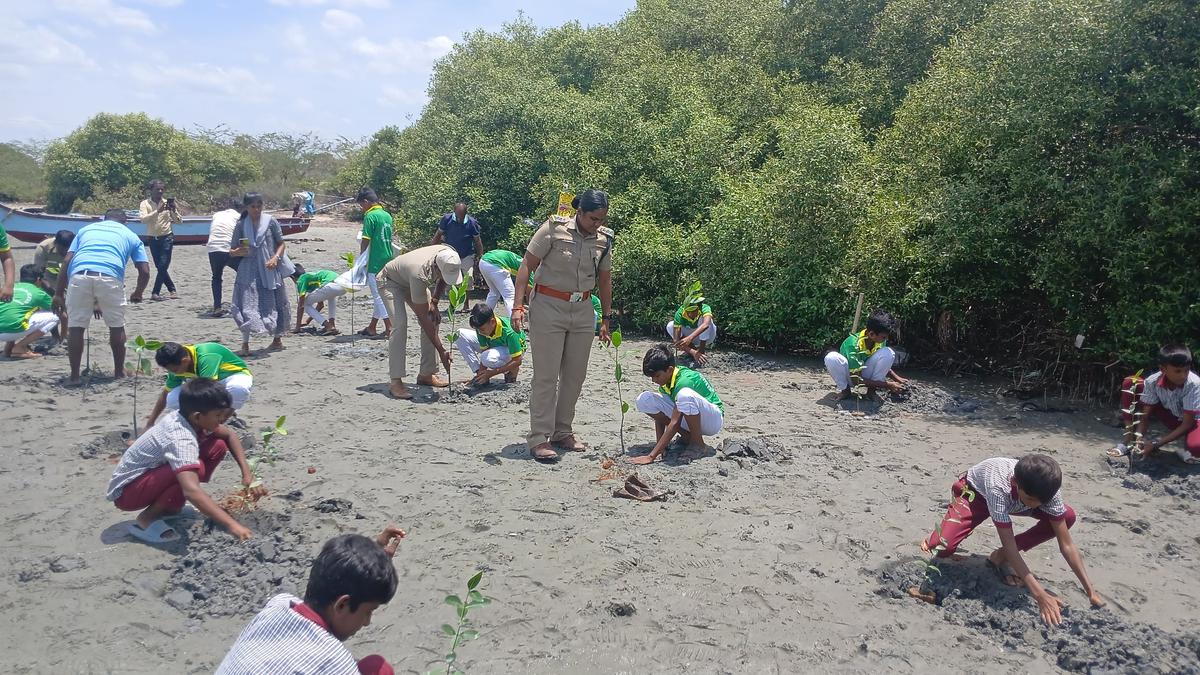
(727, 362)
(107, 446)
(363, 347)
(920, 398)
(221, 576)
(1162, 475)
(1088, 641)
(497, 392)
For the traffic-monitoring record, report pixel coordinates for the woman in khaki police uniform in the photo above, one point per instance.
(572, 257)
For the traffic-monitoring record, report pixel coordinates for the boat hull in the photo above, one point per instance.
(34, 227)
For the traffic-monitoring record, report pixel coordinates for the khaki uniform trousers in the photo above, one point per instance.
(561, 334)
(395, 296)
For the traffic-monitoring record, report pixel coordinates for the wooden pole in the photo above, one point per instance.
(857, 313)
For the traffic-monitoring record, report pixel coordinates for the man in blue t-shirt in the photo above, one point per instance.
(462, 232)
(95, 269)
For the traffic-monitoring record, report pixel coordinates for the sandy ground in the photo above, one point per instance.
(750, 566)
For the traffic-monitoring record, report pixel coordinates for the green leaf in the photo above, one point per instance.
(624, 407)
(140, 342)
(153, 345)
(449, 630)
(617, 371)
(450, 659)
(616, 337)
(474, 581)
(454, 601)
(470, 634)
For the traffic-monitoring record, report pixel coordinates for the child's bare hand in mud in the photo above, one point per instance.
(390, 538)
(895, 387)
(240, 531)
(1050, 608)
(1096, 600)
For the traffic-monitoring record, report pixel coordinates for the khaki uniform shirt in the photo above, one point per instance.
(157, 219)
(47, 259)
(571, 260)
(415, 270)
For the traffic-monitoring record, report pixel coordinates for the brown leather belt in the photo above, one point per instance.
(562, 295)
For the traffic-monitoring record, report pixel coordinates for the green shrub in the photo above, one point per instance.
(21, 177)
(652, 263)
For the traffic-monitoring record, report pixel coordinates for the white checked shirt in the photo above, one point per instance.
(992, 480)
(280, 641)
(1178, 400)
(171, 441)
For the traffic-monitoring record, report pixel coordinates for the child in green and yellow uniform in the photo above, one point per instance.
(693, 330)
(205, 360)
(377, 246)
(315, 288)
(865, 354)
(27, 316)
(498, 269)
(685, 403)
(491, 346)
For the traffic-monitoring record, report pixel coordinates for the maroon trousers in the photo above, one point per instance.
(964, 515)
(1131, 392)
(160, 486)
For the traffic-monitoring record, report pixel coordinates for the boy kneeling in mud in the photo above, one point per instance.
(166, 465)
(684, 403)
(490, 346)
(999, 488)
(1171, 396)
(865, 354)
(349, 580)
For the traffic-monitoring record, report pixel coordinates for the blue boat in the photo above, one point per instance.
(31, 225)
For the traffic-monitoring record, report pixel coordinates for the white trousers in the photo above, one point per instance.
(380, 308)
(41, 322)
(329, 293)
(708, 336)
(689, 403)
(876, 367)
(474, 355)
(238, 386)
(500, 287)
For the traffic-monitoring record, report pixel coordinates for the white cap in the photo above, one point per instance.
(450, 266)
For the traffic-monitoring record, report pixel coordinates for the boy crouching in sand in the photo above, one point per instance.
(866, 355)
(490, 346)
(350, 579)
(998, 489)
(167, 464)
(1171, 396)
(684, 403)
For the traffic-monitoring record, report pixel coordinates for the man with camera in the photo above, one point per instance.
(159, 215)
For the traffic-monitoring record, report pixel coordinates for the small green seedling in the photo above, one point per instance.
(457, 297)
(461, 632)
(141, 365)
(267, 452)
(1133, 437)
(614, 352)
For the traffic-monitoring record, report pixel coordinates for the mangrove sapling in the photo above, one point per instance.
(456, 296)
(141, 365)
(267, 452)
(1133, 437)
(614, 352)
(461, 632)
(929, 567)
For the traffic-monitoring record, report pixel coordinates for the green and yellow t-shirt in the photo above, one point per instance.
(686, 319)
(211, 361)
(311, 281)
(856, 351)
(26, 299)
(686, 377)
(4, 240)
(504, 336)
(377, 229)
(506, 260)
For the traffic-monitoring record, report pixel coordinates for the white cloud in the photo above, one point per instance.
(400, 98)
(339, 21)
(23, 46)
(371, 4)
(401, 55)
(162, 3)
(202, 78)
(107, 13)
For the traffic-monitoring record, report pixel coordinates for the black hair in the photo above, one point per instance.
(201, 395)
(299, 270)
(1175, 354)
(881, 321)
(1039, 476)
(157, 181)
(116, 215)
(30, 274)
(170, 354)
(251, 198)
(353, 565)
(480, 314)
(590, 200)
(64, 237)
(367, 194)
(658, 358)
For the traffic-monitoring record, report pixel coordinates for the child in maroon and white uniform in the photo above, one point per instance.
(1171, 396)
(350, 579)
(1000, 488)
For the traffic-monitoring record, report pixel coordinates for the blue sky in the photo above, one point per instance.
(334, 67)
